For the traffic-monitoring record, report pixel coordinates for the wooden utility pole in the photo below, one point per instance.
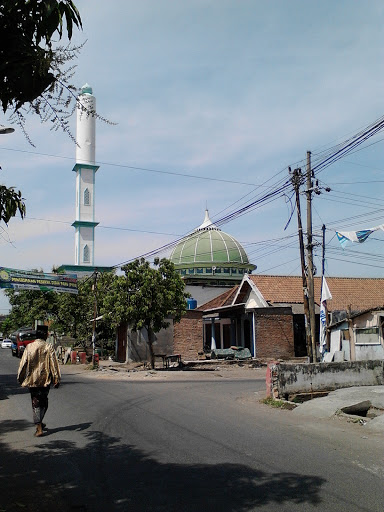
(296, 180)
(311, 298)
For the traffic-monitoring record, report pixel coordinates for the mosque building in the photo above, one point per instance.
(209, 259)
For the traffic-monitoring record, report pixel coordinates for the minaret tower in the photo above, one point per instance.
(85, 169)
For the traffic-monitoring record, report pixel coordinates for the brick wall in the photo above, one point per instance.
(188, 335)
(274, 336)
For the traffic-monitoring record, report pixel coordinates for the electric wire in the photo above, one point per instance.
(137, 168)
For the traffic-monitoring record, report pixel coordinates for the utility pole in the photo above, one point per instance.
(323, 253)
(94, 317)
(296, 180)
(311, 299)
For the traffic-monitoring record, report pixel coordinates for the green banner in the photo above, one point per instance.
(24, 280)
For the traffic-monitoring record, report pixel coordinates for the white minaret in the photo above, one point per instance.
(85, 169)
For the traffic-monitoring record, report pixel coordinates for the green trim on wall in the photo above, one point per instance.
(76, 167)
(84, 224)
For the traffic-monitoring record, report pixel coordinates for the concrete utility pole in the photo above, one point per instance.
(323, 252)
(94, 288)
(296, 180)
(311, 299)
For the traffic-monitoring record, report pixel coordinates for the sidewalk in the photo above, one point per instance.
(197, 370)
(363, 404)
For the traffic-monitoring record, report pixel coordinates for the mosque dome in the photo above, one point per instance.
(209, 254)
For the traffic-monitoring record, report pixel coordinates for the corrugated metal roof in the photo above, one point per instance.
(225, 299)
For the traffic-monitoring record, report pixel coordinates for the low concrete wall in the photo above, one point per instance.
(284, 379)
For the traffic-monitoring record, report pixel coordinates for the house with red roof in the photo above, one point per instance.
(265, 313)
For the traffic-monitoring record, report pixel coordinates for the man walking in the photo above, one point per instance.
(39, 369)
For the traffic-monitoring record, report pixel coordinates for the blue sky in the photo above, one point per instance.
(233, 90)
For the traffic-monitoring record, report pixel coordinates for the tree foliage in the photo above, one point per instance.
(11, 202)
(146, 297)
(34, 75)
(28, 306)
(26, 52)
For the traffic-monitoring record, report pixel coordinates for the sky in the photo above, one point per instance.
(212, 101)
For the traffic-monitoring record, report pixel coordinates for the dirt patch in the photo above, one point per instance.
(138, 371)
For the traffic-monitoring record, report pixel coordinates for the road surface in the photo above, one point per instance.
(153, 442)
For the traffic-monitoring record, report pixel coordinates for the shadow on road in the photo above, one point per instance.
(100, 473)
(70, 428)
(9, 386)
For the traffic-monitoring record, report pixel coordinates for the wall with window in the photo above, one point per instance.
(368, 337)
(368, 334)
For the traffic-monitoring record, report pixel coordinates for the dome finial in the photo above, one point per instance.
(86, 89)
(207, 223)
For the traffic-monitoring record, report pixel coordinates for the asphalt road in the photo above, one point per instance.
(198, 444)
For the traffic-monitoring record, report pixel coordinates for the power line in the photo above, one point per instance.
(136, 168)
(339, 151)
(106, 227)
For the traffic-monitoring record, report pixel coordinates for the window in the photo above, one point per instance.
(226, 270)
(86, 254)
(368, 336)
(208, 270)
(183, 271)
(87, 197)
(234, 271)
(191, 271)
(199, 271)
(241, 271)
(25, 336)
(218, 271)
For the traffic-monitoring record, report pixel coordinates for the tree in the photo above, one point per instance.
(28, 306)
(76, 312)
(33, 76)
(32, 66)
(66, 313)
(146, 297)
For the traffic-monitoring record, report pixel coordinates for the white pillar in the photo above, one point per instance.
(213, 335)
(254, 333)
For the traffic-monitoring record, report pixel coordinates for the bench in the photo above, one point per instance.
(171, 358)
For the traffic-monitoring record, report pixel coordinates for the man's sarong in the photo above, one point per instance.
(39, 398)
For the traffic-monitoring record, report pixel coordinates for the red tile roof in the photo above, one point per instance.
(358, 292)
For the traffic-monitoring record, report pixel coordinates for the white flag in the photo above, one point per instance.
(325, 295)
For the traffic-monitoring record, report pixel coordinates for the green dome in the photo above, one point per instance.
(209, 246)
(208, 251)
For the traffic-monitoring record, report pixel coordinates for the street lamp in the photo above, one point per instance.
(6, 129)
